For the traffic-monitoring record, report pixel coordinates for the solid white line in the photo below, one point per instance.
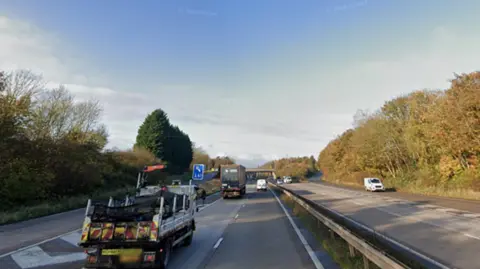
(39, 243)
(218, 243)
(208, 205)
(384, 237)
(68, 233)
(309, 249)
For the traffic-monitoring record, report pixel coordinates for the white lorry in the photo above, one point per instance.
(142, 231)
(373, 184)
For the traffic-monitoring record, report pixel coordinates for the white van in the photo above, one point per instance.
(287, 179)
(262, 185)
(373, 184)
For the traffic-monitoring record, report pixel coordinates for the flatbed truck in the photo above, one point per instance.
(140, 232)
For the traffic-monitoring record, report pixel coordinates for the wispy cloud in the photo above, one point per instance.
(200, 12)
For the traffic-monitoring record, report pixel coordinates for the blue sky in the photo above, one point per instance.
(253, 79)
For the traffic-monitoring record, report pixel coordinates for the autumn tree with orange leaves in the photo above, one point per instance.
(426, 141)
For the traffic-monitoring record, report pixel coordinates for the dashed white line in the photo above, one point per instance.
(218, 243)
(236, 216)
(312, 255)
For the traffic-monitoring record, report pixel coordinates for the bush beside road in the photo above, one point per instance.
(299, 168)
(70, 203)
(426, 142)
(53, 154)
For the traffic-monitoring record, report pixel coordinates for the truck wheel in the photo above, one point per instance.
(165, 255)
(188, 241)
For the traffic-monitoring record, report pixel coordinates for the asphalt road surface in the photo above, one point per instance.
(470, 206)
(260, 236)
(50, 242)
(253, 232)
(450, 238)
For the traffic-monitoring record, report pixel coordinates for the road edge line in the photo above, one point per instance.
(308, 248)
(208, 205)
(38, 243)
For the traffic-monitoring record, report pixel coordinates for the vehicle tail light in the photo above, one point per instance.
(92, 259)
(149, 257)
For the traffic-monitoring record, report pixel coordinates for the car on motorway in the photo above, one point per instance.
(262, 185)
(373, 184)
(279, 181)
(287, 179)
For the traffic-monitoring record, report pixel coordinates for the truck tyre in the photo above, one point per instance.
(165, 255)
(188, 241)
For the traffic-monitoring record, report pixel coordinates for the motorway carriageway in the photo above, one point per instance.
(449, 236)
(253, 232)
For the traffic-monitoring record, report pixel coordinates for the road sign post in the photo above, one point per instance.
(198, 170)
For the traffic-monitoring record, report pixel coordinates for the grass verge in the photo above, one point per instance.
(58, 206)
(335, 246)
(211, 186)
(76, 202)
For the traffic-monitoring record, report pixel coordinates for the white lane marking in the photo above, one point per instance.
(72, 238)
(208, 205)
(67, 235)
(236, 216)
(428, 222)
(443, 210)
(36, 257)
(309, 249)
(39, 243)
(384, 237)
(218, 243)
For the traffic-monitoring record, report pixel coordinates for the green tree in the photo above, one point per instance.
(165, 141)
(153, 133)
(178, 149)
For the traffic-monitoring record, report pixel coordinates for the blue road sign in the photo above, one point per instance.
(198, 170)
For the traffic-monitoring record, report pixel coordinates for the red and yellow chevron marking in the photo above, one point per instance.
(84, 237)
(107, 231)
(153, 230)
(95, 233)
(144, 230)
(131, 231)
